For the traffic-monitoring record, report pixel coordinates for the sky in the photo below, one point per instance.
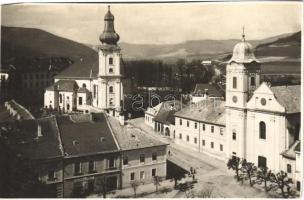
(159, 23)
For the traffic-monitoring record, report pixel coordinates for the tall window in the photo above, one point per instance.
(180, 136)
(221, 131)
(142, 158)
(125, 160)
(153, 172)
(180, 122)
(154, 156)
(187, 123)
(91, 166)
(132, 176)
(94, 91)
(195, 125)
(80, 100)
(262, 130)
(111, 162)
(234, 82)
(77, 168)
(195, 140)
(262, 161)
(233, 135)
(203, 142)
(110, 61)
(142, 175)
(221, 147)
(288, 168)
(252, 81)
(187, 138)
(60, 98)
(212, 129)
(212, 145)
(111, 89)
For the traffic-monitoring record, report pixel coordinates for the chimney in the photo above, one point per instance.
(39, 132)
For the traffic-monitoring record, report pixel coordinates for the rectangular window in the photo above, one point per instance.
(289, 168)
(187, 123)
(51, 175)
(132, 176)
(142, 158)
(142, 175)
(187, 138)
(110, 70)
(234, 82)
(111, 162)
(154, 156)
(80, 100)
(153, 172)
(77, 168)
(204, 127)
(195, 125)
(262, 161)
(60, 98)
(195, 140)
(125, 160)
(252, 81)
(221, 147)
(91, 166)
(203, 142)
(233, 135)
(180, 136)
(212, 129)
(94, 90)
(221, 131)
(180, 122)
(212, 145)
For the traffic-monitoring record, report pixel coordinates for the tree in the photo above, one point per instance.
(263, 176)
(249, 169)
(281, 182)
(235, 163)
(156, 182)
(101, 186)
(134, 185)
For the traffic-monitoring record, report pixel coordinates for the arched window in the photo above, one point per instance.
(262, 130)
(234, 82)
(110, 61)
(252, 81)
(233, 135)
(111, 89)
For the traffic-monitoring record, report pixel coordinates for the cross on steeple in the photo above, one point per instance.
(243, 36)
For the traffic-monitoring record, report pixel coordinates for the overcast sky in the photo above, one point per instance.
(159, 23)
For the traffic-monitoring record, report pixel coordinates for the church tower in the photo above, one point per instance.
(242, 78)
(110, 95)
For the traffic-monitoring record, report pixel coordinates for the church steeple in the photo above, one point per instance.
(109, 36)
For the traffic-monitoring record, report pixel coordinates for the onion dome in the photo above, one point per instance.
(109, 36)
(243, 52)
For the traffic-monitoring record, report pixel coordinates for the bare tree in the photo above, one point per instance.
(135, 185)
(263, 176)
(235, 163)
(281, 182)
(249, 169)
(156, 182)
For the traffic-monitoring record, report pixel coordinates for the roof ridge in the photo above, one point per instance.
(112, 132)
(59, 135)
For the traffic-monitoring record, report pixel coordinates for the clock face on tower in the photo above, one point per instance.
(234, 99)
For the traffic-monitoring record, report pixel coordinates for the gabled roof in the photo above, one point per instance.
(166, 112)
(25, 143)
(288, 96)
(209, 111)
(211, 89)
(64, 85)
(83, 136)
(130, 137)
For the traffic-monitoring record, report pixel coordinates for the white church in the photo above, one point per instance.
(257, 121)
(94, 82)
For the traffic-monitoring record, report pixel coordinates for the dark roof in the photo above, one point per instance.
(24, 141)
(82, 136)
(166, 112)
(83, 90)
(85, 68)
(209, 111)
(298, 147)
(5, 115)
(64, 85)
(130, 137)
(213, 90)
(289, 97)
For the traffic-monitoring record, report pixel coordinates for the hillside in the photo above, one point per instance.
(30, 43)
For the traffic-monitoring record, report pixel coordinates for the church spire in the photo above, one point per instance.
(243, 36)
(109, 36)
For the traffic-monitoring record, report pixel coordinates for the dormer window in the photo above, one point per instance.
(110, 61)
